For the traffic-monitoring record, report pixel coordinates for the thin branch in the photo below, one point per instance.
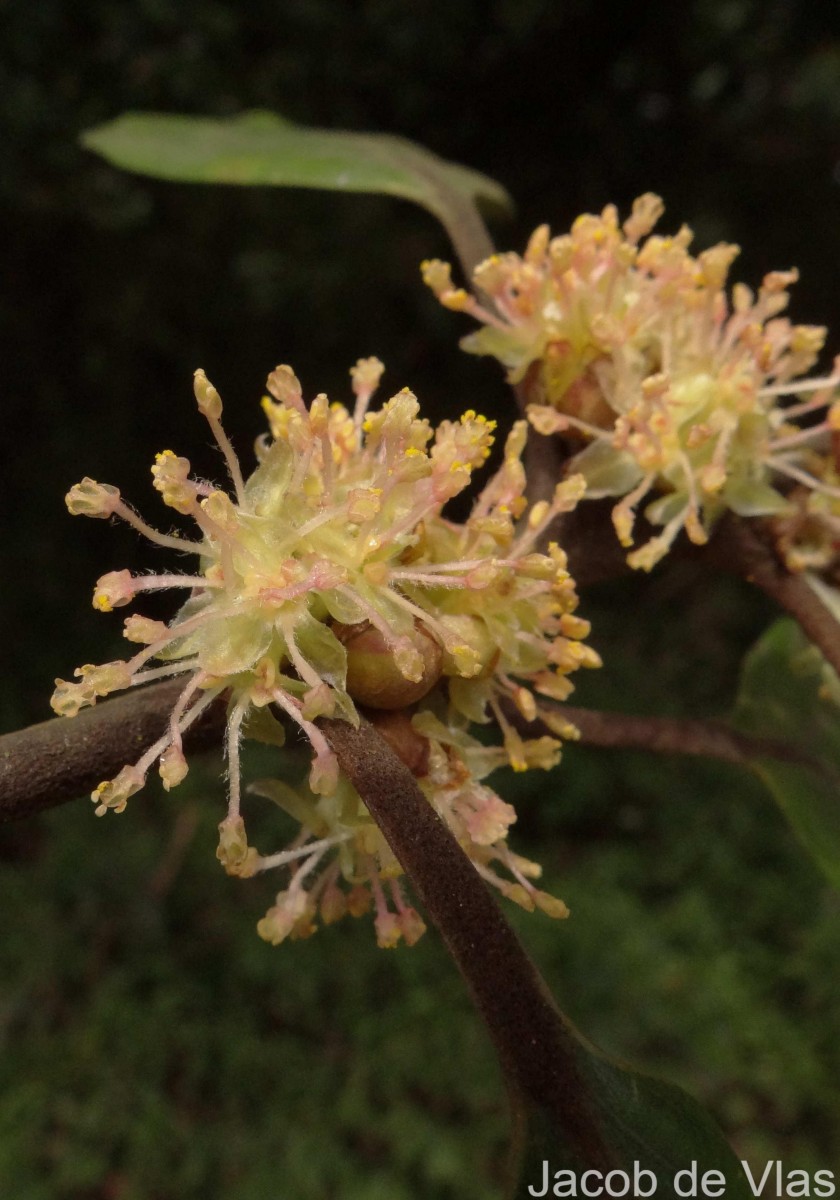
(665, 735)
(586, 533)
(740, 547)
(531, 1038)
(61, 759)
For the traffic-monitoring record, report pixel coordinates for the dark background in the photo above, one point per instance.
(154, 1048)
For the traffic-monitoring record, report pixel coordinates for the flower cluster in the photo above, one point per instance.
(331, 578)
(688, 396)
(808, 533)
(364, 874)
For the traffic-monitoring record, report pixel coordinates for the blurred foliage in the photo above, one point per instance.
(788, 691)
(153, 1048)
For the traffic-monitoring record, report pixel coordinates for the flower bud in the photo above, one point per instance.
(92, 499)
(170, 475)
(285, 387)
(376, 676)
(550, 905)
(209, 400)
(333, 905)
(233, 851)
(388, 932)
(114, 793)
(173, 767)
(144, 630)
(113, 590)
(366, 375)
(412, 926)
(280, 920)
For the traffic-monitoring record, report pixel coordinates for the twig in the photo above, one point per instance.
(739, 547)
(529, 1033)
(665, 735)
(61, 759)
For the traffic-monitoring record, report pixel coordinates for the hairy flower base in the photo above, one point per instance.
(683, 392)
(331, 577)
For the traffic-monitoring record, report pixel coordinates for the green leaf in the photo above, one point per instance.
(261, 726)
(262, 148)
(290, 800)
(607, 471)
(785, 693)
(644, 1121)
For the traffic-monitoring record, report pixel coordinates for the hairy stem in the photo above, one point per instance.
(61, 759)
(531, 1038)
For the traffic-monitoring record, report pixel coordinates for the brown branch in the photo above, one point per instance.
(665, 735)
(741, 547)
(586, 534)
(531, 1038)
(61, 759)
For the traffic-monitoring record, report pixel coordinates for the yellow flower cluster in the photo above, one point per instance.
(331, 578)
(687, 395)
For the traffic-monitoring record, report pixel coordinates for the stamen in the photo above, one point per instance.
(231, 460)
(153, 583)
(154, 752)
(810, 481)
(307, 673)
(179, 630)
(798, 439)
(121, 509)
(324, 771)
(284, 857)
(800, 387)
(176, 668)
(234, 730)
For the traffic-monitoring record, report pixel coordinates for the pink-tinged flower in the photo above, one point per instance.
(808, 534)
(331, 577)
(688, 395)
(340, 863)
